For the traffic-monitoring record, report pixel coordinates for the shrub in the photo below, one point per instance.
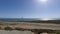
(0, 28)
(20, 29)
(8, 28)
(57, 32)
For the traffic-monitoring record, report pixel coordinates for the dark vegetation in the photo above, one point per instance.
(8, 28)
(34, 21)
(19, 29)
(57, 31)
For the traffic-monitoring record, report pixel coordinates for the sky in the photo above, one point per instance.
(29, 9)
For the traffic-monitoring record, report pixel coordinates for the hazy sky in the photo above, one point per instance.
(29, 9)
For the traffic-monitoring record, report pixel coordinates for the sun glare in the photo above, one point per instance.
(45, 19)
(43, 0)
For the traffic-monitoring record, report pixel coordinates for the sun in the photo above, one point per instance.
(43, 0)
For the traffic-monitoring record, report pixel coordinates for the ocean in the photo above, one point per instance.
(25, 19)
(19, 19)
